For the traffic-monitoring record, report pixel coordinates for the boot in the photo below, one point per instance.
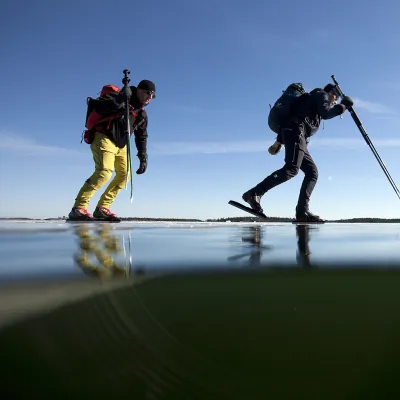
(80, 214)
(105, 213)
(307, 216)
(253, 199)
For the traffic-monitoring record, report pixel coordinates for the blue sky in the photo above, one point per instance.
(217, 66)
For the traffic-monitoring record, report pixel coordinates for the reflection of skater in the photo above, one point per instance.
(252, 235)
(303, 251)
(255, 239)
(98, 250)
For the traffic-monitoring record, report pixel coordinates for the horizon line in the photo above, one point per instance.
(198, 219)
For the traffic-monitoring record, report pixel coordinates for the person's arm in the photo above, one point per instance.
(141, 143)
(324, 108)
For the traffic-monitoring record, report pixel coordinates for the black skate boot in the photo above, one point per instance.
(308, 217)
(253, 199)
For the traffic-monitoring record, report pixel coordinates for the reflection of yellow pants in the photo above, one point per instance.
(107, 158)
(98, 251)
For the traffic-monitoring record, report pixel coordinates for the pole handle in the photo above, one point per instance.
(126, 79)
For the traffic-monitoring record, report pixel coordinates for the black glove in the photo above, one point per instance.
(347, 102)
(142, 156)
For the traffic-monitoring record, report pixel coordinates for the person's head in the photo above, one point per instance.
(332, 91)
(146, 90)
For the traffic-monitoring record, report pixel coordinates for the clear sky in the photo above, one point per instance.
(217, 66)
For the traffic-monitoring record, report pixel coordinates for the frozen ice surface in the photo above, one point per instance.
(54, 248)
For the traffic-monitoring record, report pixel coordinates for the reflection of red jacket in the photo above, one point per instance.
(106, 114)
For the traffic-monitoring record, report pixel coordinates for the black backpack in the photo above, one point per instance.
(283, 108)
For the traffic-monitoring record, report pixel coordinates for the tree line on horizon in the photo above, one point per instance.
(227, 219)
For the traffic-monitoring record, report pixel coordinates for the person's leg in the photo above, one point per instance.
(121, 177)
(295, 145)
(310, 179)
(104, 151)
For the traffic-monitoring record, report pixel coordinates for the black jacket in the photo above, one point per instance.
(113, 103)
(313, 108)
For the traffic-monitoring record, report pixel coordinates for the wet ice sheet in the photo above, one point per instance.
(248, 333)
(46, 249)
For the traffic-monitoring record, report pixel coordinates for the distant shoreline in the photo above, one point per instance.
(232, 219)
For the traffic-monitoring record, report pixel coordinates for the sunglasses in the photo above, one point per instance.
(150, 93)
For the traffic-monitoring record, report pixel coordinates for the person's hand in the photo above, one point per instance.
(347, 102)
(142, 156)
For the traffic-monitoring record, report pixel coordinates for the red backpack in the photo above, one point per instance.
(93, 118)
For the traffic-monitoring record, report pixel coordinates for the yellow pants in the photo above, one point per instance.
(107, 158)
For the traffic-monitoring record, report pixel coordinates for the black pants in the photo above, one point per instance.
(297, 158)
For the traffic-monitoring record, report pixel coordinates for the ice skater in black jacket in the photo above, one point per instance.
(319, 104)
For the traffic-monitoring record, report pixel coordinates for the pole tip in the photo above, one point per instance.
(126, 71)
